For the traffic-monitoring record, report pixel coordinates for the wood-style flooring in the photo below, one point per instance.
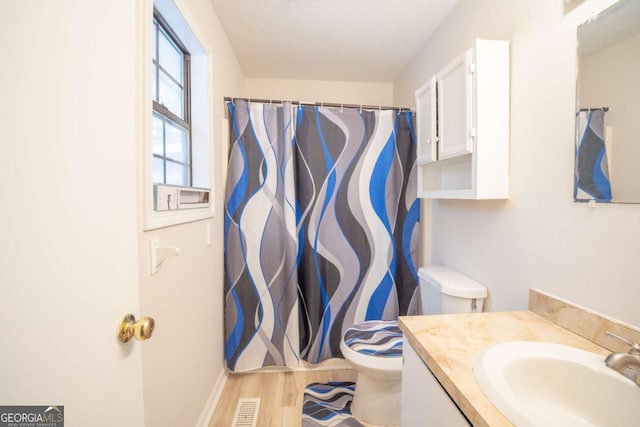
(281, 394)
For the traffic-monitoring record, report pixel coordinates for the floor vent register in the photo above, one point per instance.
(246, 413)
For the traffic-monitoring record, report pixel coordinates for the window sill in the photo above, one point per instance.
(171, 218)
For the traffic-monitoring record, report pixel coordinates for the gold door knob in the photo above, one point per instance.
(139, 329)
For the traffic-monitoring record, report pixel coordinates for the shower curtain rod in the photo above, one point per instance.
(605, 109)
(319, 104)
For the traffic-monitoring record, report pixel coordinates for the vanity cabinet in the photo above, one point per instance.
(462, 120)
(424, 402)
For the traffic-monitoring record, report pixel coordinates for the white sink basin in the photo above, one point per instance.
(544, 384)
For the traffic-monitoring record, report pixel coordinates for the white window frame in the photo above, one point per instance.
(201, 112)
(181, 122)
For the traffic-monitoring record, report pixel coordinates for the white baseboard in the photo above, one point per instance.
(212, 401)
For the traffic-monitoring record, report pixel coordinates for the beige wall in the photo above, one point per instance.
(619, 89)
(538, 237)
(183, 363)
(320, 91)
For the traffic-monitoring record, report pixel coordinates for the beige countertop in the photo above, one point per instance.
(448, 344)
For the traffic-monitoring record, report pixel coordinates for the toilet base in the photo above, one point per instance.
(377, 399)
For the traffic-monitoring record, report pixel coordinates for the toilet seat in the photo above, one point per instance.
(381, 338)
(374, 344)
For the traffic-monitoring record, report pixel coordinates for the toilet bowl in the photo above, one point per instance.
(374, 348)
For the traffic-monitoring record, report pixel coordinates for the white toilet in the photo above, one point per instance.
(375, 347)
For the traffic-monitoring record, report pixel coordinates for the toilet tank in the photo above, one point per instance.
(445, 291)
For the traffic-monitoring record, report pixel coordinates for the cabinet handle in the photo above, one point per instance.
(472, 133)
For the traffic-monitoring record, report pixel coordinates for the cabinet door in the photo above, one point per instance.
(424, 402)
(426, 122)
(455, 108)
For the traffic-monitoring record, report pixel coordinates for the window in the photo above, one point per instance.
(176, 110)
(171, 107)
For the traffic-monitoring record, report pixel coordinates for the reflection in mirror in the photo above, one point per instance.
(607, 164)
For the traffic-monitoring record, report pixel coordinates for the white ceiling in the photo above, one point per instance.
(615, 24)
(344, 40)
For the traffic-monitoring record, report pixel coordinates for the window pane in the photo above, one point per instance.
(171, 149)
(170, 95)
(158, 170)
(170, 57)
(158, 135)
(176, 143)
(177, 174)
(154, 80)
(155, 40)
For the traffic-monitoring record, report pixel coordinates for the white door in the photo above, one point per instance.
(455, 108)
(68, 257)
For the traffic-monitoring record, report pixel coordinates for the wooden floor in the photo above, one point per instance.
(281, 394)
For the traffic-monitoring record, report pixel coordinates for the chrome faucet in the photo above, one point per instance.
(628, 364)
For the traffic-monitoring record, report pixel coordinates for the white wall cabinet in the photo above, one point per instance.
(424, 402)
(462, 119)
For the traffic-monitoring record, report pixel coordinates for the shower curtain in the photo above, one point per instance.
(321, 229)
(591, 181)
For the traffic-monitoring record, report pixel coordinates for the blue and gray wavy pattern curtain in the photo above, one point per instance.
(321, 229)
(591, 181)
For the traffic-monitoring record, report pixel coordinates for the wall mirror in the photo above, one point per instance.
(607, 159)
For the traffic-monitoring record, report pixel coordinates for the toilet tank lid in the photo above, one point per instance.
(450, 282)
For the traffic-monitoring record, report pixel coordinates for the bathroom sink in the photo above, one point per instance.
(544, 384)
